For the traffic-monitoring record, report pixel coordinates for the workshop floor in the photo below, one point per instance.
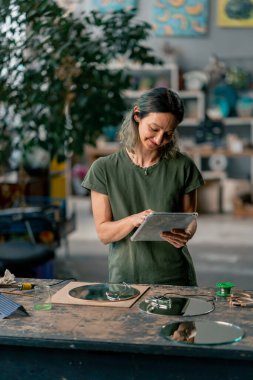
(222, 249)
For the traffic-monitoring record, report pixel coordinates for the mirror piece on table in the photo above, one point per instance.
(202, 332)
(165, 305)
(105, 292)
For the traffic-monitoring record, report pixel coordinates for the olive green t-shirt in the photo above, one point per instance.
(132, 189)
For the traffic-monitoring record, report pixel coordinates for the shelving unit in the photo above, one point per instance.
(148, 76)
(194, 102)
(222, 186)
(243, 123)
(202, 151)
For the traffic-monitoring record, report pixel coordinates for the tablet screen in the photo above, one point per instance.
(158, 222)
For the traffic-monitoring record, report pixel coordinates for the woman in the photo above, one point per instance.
(148, 174)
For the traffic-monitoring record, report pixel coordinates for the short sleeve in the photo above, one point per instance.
(95, 179)
(193, 177)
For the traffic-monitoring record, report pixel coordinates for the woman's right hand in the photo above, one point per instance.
(138, 219)
(109, 230)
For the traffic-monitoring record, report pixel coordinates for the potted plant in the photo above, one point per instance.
(57, 91)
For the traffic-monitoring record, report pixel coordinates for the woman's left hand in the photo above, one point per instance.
(176, 237)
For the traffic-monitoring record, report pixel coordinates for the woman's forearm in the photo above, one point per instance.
(111, 231)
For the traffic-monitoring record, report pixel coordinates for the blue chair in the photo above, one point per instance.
(28, 243)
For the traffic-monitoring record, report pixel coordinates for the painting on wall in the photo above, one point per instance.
(180, 17)
(235, 13)
(114, 5)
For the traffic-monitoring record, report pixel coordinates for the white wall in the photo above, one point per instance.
(234, 45)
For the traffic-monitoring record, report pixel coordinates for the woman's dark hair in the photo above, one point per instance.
(161, 100)
(156, 100)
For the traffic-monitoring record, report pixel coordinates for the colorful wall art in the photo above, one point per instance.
(180, 17)
(114, 5)
(235, 13)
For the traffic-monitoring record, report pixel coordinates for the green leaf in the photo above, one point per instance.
(57, 63)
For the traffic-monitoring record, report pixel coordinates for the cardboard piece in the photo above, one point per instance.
(63, 297)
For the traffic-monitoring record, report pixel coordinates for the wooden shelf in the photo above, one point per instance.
(207, 152)
(190, 122)
(235, 121)
(92, 153)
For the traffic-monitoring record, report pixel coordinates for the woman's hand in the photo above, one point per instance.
(110, 230)
(180, 237)
(177, 237)
(138, 219)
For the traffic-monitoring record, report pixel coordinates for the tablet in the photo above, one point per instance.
(158, 222)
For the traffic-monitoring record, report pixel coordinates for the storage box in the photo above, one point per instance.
(243, 205)
(209, 197)
(232, 189)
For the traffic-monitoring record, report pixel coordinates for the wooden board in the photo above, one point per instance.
(63, 297)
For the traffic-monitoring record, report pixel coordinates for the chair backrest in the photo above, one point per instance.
(36, 227)
(5, 225)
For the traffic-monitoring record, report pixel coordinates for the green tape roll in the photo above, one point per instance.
(224, 289)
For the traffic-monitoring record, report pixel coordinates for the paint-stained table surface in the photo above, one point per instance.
(73, 340)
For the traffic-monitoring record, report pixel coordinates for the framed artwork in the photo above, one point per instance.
(114, 5)
(235, 13)
(180, 17)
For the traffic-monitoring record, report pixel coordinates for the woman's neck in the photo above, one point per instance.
(143, 158)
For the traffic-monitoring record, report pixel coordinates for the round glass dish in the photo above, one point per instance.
(202, 332)
(104, 292)
(165, 305)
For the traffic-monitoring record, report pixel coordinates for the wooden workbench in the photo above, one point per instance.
(98, 343)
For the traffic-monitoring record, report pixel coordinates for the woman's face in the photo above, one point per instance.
(156, 129)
